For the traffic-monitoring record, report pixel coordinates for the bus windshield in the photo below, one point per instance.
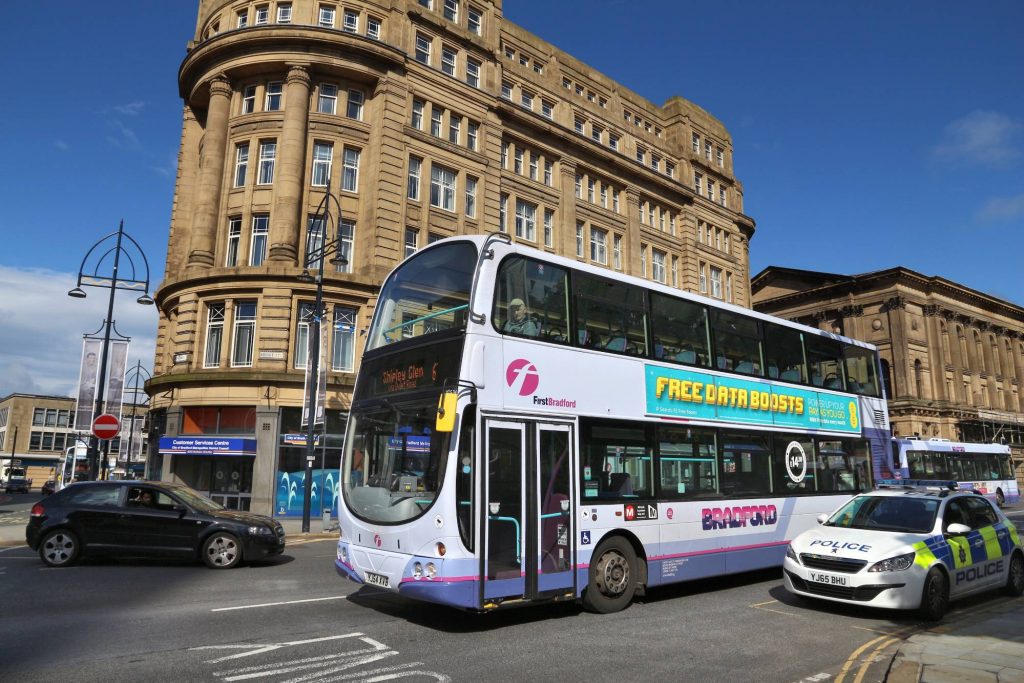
(428, 293)
(394, 462)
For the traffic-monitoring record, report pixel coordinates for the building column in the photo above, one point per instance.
(291, 164)
(632, 265)
(565, 228)
(211, 178)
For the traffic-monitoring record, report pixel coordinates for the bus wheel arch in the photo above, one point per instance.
(1000, 498)
(617, 574)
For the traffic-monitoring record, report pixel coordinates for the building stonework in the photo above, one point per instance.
(425, 119)
(952, 357)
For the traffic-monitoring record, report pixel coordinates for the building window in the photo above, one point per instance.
(346, 238)
(578, 124)
(344, 339)
(579, 186)
(284, 13)
(417, 114)
(415, 164)
(315, 241)
(579, 239)
(658, 266)
(721, 156)
(260, 231)
(728, 287)
(547, 109)
(244, 334)
(272, 101)
(695, 142)
(214, 335)
(703, 278)
(326, 19)
(716, 282)
(422, 49)
(454, 125)
(711, 189)
(596, 132)
(249, 99)
(306, 315)
(451, 10)
(548, 172)
(643, 260)
(470, 196)
(473, 73)
(241, 163)
(355, 105)
(533, 166)
(670, 169)
(411, 238)
(234, 238)
(721, 196)
(503, 213)
(518, 161)
(526, 99)
(350, 21)
(591, 186)
(476, 21)
(526, 220)
(327, 101)
(549, 227)
(350, 179)
(698, 182)
(471, 135)
(429, 4)
(373, 28)
(613, 141)
(604, 195)
(323, 152)
(598, 245)
(442, 187)
(448, 57)
(436, 116)
(268, 152)
(655, 162)
(675, 271)
(707, 150)
(506, 90)
(262, 14)
(504, 154)
(641, 154)
(617, 252)
(615, 201)
(243, 18)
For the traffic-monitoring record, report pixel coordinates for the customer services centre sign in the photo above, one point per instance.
(681, 393)
(204, 445)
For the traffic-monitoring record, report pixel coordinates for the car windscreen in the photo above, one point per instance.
(195, 500)
(887, 513)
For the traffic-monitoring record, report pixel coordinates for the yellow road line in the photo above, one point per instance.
(853, 657)
(870, 660)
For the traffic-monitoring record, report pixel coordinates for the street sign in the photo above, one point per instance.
(105, 426)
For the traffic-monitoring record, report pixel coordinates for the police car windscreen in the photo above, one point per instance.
(887, 513)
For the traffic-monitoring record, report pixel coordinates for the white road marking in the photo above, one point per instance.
(275, 604)
(268, 647)
(13, 547)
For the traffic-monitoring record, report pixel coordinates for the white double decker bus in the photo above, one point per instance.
(525, 427)
(983, 467)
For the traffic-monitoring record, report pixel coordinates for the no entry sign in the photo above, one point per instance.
(105, 426)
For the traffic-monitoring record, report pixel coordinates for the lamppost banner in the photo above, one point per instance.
(321, 394)
(90, 367)
(115, 378)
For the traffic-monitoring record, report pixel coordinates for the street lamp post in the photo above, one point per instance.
(318, 248)
(114, 282)
(136, 374)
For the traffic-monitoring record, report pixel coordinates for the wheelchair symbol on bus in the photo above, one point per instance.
(584, 538)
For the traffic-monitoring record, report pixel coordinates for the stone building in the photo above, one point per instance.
(952, 357)
(423, 119)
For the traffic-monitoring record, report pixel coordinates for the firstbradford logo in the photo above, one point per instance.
(522, 376)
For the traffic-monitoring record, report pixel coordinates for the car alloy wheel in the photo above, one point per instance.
(222, 551)
(59, 548)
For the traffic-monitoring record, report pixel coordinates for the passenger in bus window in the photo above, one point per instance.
(519, 321)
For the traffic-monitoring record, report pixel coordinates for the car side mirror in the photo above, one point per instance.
(822, 518)
(180, 509)
(957, 529)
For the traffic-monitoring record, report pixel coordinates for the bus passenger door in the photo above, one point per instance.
(504, 570)
(551, 507)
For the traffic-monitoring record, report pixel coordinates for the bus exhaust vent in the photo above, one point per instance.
(880, 419)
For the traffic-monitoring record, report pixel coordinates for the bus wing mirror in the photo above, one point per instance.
(446, 405)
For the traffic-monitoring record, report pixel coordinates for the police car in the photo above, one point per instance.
(907, 545)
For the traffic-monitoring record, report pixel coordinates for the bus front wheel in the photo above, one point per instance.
(613, 577)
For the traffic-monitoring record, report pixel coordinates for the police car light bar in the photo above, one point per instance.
(934, 484)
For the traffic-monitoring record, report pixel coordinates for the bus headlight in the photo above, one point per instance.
(791, 554)
(431, 570)
(894, 564)
(417, 570)
(343, 554)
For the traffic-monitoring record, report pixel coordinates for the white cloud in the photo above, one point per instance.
(61, 145)
(126, 138)
(982, 137)
(1000, 209)
(130, 109)
(41, 338)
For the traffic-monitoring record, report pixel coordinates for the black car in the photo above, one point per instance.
(137, 518)
(48, 487)
(18, 485)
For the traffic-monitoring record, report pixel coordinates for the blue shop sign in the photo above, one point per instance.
(206, 445)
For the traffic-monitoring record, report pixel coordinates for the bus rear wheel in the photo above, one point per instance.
(1000, 498)
(612, 578)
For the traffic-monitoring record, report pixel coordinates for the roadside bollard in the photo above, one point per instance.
(326, 520)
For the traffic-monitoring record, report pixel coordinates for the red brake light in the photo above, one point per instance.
(37, 510)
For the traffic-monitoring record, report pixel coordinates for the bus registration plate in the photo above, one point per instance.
(830, 579)
(377, 580)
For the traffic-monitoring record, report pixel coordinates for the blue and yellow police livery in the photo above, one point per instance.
(907, 547)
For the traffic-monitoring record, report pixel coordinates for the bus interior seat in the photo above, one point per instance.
(620, 482)
(833, 382)
(687, 356)
(722, 363)
(790, 375)
(746, 367)
(773, 372)
(815, 379)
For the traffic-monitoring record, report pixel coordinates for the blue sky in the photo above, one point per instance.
(865, 134)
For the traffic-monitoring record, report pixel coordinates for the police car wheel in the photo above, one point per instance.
(612, 581)
(1015, 577)
(934, 596)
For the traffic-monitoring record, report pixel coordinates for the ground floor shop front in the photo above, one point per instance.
(250, 458)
